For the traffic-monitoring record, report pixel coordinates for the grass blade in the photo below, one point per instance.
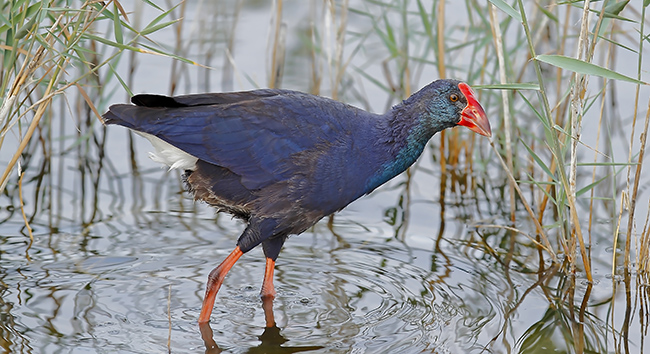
(509, 86)
(503, 6)
(582, 67)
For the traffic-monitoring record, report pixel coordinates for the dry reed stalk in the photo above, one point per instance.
(340, 44)
(622, 207)
(316, 67)
(538, 226)
(277, 56)
(27, 70)
(643, 246)
(589, 53)
(440, 17)
(22, 210)
(578, 92)
(229, 67)
(635, 188)
(178, 48)
(637, 175)
(507, 116)
(442, 73)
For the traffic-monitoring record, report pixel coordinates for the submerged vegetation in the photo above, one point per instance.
(560, 194)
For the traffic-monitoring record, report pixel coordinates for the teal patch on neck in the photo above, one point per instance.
(415, 143)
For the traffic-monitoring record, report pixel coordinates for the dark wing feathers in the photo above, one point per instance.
(203, 99)
(252, 134)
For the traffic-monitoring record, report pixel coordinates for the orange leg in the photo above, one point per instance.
(215, 279)
(268, 291)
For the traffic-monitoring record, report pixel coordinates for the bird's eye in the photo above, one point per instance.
(453, 97)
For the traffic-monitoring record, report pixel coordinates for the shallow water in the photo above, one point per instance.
(121, 254)
(134, 279)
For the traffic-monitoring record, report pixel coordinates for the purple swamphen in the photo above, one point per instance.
(281, 160)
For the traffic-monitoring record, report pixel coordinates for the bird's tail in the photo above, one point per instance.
(120, 114)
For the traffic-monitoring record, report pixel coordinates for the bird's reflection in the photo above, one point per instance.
(271, 339)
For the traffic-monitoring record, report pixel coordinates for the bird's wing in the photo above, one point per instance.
(253, 134)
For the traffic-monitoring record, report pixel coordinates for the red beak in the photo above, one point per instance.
(473, 116)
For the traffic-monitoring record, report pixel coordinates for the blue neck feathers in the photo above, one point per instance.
(406, 129)
(407, 137)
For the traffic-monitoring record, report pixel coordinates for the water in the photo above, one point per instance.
(121, 254)
(134, 279)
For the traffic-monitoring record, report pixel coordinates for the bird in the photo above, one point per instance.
(281, 160)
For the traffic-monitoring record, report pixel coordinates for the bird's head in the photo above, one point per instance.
(454, 103)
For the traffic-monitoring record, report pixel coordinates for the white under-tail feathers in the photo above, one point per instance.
(170, 155)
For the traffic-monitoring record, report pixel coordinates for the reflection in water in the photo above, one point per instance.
(271, 340)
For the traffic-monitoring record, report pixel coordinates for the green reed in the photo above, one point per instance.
(50, 48)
